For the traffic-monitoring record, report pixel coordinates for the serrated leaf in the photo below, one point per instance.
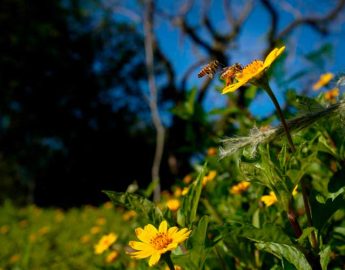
(290, 253)
(325, 257)
(196, 245)
(324, 208)
(187, 213)
(144, 207)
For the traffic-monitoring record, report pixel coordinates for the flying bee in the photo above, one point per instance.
(210, 69)
(229, 73)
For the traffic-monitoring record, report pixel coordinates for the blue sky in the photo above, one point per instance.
(252, 42)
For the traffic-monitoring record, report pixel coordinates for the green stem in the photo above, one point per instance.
(291, 214)
(168, 260)
(281, 116)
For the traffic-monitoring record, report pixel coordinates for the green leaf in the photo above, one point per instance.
(187, 213)
(185, 110)
(290, 253)
(144, 207)
(325, 257)
(324, 207)
(196, 245)
(272, 239)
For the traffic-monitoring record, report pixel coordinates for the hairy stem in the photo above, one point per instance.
(291, 213)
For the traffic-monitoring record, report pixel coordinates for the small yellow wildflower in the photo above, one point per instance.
(128, 215)
(173, 204)
(101, 221)
(185, 191)
(4, 229)
(269, 200)
(331, 95)
(240, 187)
(108, 205)
(209, 177)
(59, 215)
(105, 242)
(44, 230)
(294, 192)
(32, 237)
(212, 151)
(95, 230)
(175, 266)
(23, 223)
(14, 258)
(253, 71)
(111, 257)
(155, 242)
(187, 179)
(85, 239)
(178, 192)
(323, 80)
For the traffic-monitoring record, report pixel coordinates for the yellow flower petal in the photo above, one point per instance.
(323, 80)
(156, 242)
(253, 71)
(163, 227)
(142, 235)
(154, 259)
(234, 87)
(272, 56)
(150, 229)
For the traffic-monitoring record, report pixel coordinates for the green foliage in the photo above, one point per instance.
(187, 213)
(197, 247)
(140, 204)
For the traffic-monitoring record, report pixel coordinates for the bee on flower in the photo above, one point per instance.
(253, 72)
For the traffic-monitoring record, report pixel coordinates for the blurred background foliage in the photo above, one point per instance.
(74, 116)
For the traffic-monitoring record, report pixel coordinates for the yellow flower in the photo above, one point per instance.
(129, 215)
(44, 230)
(105, 242)
(178, 192)
(240, 187)
(330, 95)
(270, 199)
(108, 205)
(112, 256)
(173, 204)
(185, 191)
(175, 266)
(4, 229)
(212, 151)
(187, 179)
(14, 259)
(323, 80)
(95, 230)
(209, 177)
(85, 239)
(294, 192)
(253, 71)
(155, 242)
(101, 221)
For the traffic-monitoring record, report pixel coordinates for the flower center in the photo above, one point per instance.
(160, 241)
(252, 68)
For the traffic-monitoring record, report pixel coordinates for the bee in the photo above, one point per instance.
(210, 69)
(229, 73)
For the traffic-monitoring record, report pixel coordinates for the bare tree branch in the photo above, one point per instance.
(160, 132)
(274, 21)
(318, 23)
